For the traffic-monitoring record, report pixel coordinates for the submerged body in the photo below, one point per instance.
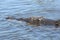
(38, 21)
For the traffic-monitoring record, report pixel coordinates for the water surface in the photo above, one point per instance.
(15, 30)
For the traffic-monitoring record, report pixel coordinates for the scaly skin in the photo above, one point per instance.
(38, 21)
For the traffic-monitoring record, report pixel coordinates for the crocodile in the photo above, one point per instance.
(37, 21)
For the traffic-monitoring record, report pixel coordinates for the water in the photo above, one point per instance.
(15, 30)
